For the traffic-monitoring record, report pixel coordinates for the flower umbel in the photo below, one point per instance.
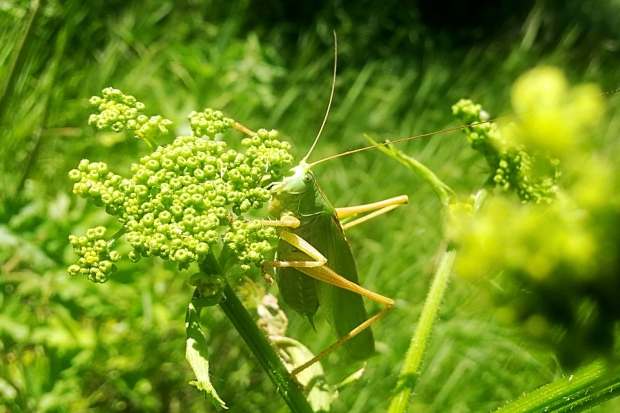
(188, 196)
(554, 254)
(96, 260)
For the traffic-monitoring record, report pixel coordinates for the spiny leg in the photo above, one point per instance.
(378, 208)
(359, 209)
(287, 221)
(329, 276)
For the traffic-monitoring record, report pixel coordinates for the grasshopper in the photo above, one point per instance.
(314, 263)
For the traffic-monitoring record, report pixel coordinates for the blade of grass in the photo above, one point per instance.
(17, 58)
(586, 388)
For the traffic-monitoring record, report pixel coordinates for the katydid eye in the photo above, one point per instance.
(307, 178)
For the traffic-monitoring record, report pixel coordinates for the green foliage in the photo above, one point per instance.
(67, 343)
(394, 80)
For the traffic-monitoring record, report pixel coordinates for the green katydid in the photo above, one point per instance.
(315, 265)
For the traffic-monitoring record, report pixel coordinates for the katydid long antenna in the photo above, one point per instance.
(365, 148)
(331, 98)
(410, 138)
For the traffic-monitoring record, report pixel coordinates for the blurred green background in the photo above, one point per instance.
(67, 345)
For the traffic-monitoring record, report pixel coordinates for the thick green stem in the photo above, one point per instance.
(409, 373)
(259, 345)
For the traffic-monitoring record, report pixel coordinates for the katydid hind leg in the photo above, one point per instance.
(357, 340)
(343, 340)
(351, 312)
(336, 283)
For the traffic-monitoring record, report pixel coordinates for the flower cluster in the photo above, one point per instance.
(558, 263)
(532, 175)
(190, 195)
(118, 111)
(96, 259)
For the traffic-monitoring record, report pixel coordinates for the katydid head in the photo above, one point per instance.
(298, 193)
(298, 180)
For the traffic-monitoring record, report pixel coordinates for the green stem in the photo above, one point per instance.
(259, 345)
(409, 373)
(116, 236)
(587, 387)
